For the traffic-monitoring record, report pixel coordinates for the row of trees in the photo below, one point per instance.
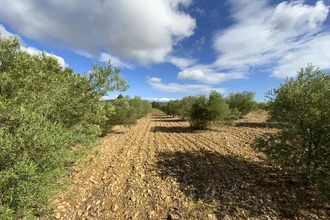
(124, 111)
(300, 108)
(201, 111)
(44, 111)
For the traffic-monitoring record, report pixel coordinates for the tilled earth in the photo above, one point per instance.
(161, 169)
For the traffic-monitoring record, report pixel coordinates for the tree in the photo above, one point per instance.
(204, 111)
(301, 107)
(155, 105)
(44, 111)
(241, 103)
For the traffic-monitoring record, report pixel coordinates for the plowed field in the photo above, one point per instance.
(161, 169)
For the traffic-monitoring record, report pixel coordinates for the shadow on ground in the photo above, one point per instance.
(237, 188)
(255, 125)
(169, 120)
(173, 129)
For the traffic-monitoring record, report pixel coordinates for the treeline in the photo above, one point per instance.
(201, 110)
(124, 111)
(49, 117)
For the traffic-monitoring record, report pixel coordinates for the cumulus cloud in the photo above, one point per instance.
(208, 74)
(32, 50)
(280, 35)
(155, 80)
(192, 89)
(286, 37)
(143, 30)
(191, 75)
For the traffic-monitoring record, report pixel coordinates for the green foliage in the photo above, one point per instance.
(203, 111)
(263, 106)
(123, 111)
(186, 106)
(142, 107)
(301, 109)
(44, 111)
(200, 111)
(241, 103)
(155, 105)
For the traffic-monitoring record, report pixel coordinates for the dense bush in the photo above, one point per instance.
(123, 111)
(44, 111)
(142, 107)
(186, 106)
(204, 110)
(200, 111)
(241, 104)
(301, 109)
(172, 107)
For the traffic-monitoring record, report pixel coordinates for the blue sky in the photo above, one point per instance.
(168, 49)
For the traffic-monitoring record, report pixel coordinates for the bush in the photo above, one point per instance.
(263, 106)
(242, 103)
(204, 111)
(142, 107)
(44, 111)
(301, 109)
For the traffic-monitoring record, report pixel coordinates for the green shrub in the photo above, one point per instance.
(242, 103)
(142, 107)
(44, 111)
(204, 111)
(263, 106)
(301, 107)
(186, 106)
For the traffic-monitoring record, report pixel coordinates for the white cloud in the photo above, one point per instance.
(145, 30)
(4, 32)
(315, 51)
(208, 74)
(32, 50)
(180, 62)
(158, 99)
(155, 80)
(191, 75)
(157, 84)
(288, 36)
(115, 61)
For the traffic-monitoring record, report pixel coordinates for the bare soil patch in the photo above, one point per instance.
(161, 169)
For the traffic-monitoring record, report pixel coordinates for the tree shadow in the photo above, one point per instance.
(161, 116)
(173, 129)
(169, 120)
(256, 125)
(236, 187)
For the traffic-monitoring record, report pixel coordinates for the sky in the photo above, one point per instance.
(168, 49)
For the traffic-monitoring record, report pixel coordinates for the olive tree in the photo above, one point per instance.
(241, 103)
(44, 111)
(203, 111)
(301, 108)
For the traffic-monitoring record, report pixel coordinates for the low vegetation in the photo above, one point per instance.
(300, 107)
(45, 111)
(201, 111)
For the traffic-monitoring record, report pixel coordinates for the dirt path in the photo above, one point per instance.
(160, 169)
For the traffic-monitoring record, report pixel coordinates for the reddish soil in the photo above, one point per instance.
(161, 169)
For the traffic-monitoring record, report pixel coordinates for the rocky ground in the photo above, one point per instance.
(161, 169)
